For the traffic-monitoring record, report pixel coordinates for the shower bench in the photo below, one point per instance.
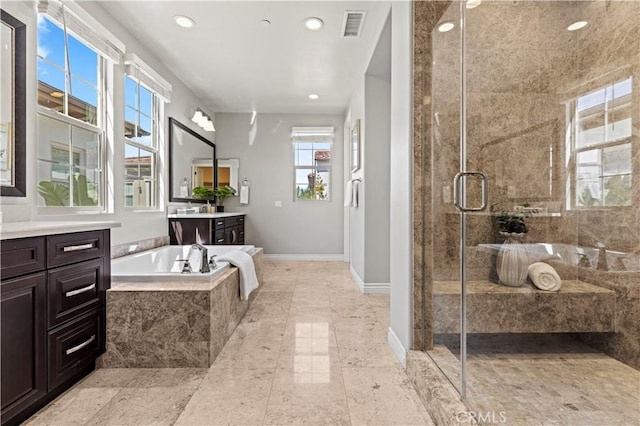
(578, 307)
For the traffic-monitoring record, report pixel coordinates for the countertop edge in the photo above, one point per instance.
(204, 215)
(13, 230)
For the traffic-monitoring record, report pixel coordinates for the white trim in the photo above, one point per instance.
(305, 257)
(397, 348)
(369, 288)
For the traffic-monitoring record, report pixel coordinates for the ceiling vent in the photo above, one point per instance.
(353, 22)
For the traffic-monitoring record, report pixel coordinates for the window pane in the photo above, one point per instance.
(50, 41)
(304, 157)
(617, 190)
(130, 122)
(131, 161)
(145, 130)
(130, 89)
(53, 193)
(83, 101)
(139, 193)
(617, 159)
(146, 101)
(589, 164)
(86, 188)
(588, 192)
(145, 162)
(51, 86)
(591, 128)
(311, 184)
(86, 147)
(83, 61)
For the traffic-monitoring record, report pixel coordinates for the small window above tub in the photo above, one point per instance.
(312, 162)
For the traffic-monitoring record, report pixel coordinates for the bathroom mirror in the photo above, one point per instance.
(191, 161)
(228, 169)
(12, 107)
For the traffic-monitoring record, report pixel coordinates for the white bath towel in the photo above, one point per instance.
(543, 276)
(248, 277)
(244, 194)
(348, 193)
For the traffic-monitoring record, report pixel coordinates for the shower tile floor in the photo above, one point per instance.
(542, 380)
(311, 350)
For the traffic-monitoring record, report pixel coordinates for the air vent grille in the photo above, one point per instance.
(353, 22)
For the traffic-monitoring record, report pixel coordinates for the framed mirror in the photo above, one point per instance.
(191, 162)
(13, 107)
(228, 173)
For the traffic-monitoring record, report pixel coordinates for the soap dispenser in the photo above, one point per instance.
(184, 188)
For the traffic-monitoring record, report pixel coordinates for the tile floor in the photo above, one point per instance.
(311, 350)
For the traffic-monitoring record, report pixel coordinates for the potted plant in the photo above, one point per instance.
(512, 224)
(202, 193)
(221, 193)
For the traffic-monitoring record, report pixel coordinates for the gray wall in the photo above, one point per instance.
(266, 159)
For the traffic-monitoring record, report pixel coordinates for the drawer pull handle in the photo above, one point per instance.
(78, 247)
(80, 290)
(81, 345)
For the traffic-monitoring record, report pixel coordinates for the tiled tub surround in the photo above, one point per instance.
(178, 324)
(121, 250)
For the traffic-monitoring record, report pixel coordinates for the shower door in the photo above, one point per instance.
(532, 109)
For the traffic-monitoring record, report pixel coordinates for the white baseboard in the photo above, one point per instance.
(369, 288)
(305, 257)
(397, 348)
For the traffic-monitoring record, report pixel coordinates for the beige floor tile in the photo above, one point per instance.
(75, 407)
(110, 378)
(150, 406)
(189, 378)
(307, 398)
(229, 397)
(383, 396)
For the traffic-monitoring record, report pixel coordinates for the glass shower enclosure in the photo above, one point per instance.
(535, 157)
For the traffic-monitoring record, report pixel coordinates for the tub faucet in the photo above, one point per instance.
(602, 257)
(204, 258)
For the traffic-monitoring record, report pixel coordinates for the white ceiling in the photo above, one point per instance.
(236, 64)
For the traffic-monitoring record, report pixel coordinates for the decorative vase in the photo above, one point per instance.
(513, 261)
(220, 209)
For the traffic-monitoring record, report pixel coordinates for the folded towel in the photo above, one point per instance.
(248, 277)
(348, 193)
(543, 276)
(244, 194)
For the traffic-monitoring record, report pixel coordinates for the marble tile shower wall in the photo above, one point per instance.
(522, 68)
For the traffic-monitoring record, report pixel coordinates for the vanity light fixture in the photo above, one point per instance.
(203, 120)
(446, 26)
(577, 25)
(314, 24)
(313, 97)
(184, 21)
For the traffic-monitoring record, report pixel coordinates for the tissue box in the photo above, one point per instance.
(191, 210)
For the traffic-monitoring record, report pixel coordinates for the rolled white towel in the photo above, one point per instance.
(543, 276)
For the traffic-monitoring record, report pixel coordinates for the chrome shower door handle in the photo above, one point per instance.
(458, 203)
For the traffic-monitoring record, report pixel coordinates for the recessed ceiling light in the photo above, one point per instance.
(313, 96)
(473, 3)
(446, 26)
(314, 24)
(57, 94)
(577, 25)
(184, 21)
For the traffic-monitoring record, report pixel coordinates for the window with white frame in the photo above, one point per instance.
(312, 162)
(73, 53)
(145, 94)
(602, 146)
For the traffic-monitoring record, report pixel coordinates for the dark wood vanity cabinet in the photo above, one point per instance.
(227, 230)
(53, 293)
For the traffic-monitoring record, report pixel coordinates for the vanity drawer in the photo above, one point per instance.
(73, 347)
(22, 256)
(232, 221)
(75, 289)
(219, 237)
(219, 224)
(64, 249)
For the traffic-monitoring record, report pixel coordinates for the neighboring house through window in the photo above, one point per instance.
(312, 162)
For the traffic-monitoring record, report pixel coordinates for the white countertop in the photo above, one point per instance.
(11, 230)
(204, 215)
